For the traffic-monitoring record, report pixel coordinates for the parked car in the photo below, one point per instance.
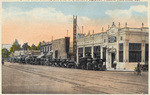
(71, 64)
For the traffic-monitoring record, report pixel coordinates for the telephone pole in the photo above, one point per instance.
(74, 36)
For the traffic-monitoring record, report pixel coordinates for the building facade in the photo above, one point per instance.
(61, 47)
(22, 52)
(125, 45)
(46, 49)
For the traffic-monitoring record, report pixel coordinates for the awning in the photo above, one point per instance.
(49, 53)
(40, 56)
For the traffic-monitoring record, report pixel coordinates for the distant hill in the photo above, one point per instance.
(7, 46)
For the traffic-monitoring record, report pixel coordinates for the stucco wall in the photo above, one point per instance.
(59, 45)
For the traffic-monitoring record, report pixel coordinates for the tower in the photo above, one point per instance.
(74, 36)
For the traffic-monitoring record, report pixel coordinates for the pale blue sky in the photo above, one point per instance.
(26, 21)
(87, 9)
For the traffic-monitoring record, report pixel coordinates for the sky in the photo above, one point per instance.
(33, 22)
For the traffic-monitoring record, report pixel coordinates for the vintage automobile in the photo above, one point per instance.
(57, 62)
(12, 60)
(82, 63)
(22, 59)
(32, 61)
(37, 61)
(90, 65)
(63, 63)
(145, 67)
(53, 61)
(17, 59)
(42, 61)
(47, 61)
(71, 64)
(101, 65)
(27, 60)
(96, 63)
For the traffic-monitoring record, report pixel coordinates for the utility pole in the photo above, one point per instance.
(74, 36)
(82, 29)
(67, 33)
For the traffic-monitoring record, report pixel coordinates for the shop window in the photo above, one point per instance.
(80, 52)
(96, 52)
(121, 38)
(104, 54)
(121, 52)
(104, 40)
(47, 48)
(146, 52)
(88, 51)
(134, 52)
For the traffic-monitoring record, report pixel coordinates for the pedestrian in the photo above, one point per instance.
(2, 61)
(138, 69)
(115, 64)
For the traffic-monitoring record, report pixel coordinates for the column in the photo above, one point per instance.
(101, 51)
(77, 56)
(126, 54)
(143, 52)
(92, 49)
(83, 51)
(107, 60)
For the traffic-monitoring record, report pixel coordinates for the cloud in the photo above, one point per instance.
(138, 8)
(126, 14)
(134, 16)
(40, 24)
(36, 25)
(48, 14)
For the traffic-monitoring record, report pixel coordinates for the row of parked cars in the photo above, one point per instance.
(84, 62)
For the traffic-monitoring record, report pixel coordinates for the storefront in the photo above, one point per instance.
(127, 46)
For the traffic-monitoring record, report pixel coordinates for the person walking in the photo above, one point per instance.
(115, 64)
(2, 61)
(138, 68)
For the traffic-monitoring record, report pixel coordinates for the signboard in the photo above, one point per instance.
(112, 39)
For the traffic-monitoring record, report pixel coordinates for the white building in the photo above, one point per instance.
(125, 45)
(46, 49)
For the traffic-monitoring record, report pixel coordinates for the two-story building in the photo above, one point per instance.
(61, 48)
(126, 45)
(46, 49)
(58, 48)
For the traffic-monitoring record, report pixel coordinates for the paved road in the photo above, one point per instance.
(19, 78)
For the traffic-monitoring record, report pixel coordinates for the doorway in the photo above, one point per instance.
(112, 59)
(56, 54)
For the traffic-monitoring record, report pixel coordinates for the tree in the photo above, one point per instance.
(5, 52)
(38, 46)
(25, 46)
(14, 47)
(33, 47)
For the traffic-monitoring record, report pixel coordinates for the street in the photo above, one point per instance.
(28, 79)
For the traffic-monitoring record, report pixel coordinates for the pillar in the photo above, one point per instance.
(83, 51)
(107, 60)
(143, 52)
(77, 56)
(101, 51)
(92, 49)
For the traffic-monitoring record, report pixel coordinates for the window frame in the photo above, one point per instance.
(147, 52)
(135, 52)
(121, 51)
(95, 53)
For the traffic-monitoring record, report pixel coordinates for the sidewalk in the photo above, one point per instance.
(120, 70)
